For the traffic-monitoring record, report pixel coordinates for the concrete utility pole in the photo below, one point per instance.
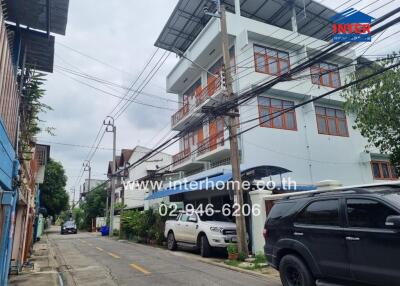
(110, 127)
(87, 167)
(234, 146)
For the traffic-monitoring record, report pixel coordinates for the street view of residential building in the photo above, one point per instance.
(200, 142)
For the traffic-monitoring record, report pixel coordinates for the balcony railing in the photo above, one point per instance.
(211, 143)
(181, 157)
(200, 97)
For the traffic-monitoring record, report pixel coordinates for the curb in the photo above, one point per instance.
(207, 261)
(222, 265)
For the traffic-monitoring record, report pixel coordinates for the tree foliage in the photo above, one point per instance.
(94, 205)
(30, 108)
(53, 195)
(376, 105)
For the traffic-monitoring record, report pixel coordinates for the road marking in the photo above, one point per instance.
(98, 248)
(141, 269)
(113, 255)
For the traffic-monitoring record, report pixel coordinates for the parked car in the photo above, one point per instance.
(350, 235)
(200, 230)
(69, 227)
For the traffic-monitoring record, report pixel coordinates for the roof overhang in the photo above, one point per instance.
(44, 15)
(39, 48)
(188, 19)
(208, 182)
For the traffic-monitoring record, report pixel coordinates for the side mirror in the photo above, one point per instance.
(393, 221)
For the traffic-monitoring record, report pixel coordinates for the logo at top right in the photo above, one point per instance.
(351, 26)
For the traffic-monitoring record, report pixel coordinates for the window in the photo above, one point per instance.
(331, 121)
(383, 170)
(271, 61)
(320, 213)
(268, 108)
(367, 213)
(184, 217)
(325, 74)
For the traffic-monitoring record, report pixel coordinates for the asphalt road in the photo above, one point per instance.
(88, 259)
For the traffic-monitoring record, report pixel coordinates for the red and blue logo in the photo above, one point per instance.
(352, 26)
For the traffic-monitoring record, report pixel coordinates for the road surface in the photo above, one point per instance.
(88, 259)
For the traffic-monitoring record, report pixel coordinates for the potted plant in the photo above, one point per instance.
(232, 251)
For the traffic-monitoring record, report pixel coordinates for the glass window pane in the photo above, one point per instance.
(265, 101)
(367, 213)
(288, 104)
(320, 213)
(273, 66)
(284, 66)
(394, 172)
(260, 63)
(332, 126)
(321, 125)
(259, 49)
(320, 110)
(283, 55)
(324, 66)
(330, 112)
(278, 122)
(290, 120)
(335, 79)
(376, 170)
(342, 128)
(385, 170)
(271, 53)
(325, 78)
(340, 113)
(276, 103)
(264, 117)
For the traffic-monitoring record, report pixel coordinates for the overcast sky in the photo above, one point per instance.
(121, 34)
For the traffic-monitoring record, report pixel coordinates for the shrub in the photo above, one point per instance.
(242, 256)
(232, 248)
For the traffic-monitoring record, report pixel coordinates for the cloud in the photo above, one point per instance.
(120, 34)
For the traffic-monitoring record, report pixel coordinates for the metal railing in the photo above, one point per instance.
(181, 157)
(213, 87)
(211, 143)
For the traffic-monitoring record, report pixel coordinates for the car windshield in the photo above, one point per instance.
(214, 217)
(69, 224)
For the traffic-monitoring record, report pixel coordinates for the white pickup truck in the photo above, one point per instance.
(200, 230)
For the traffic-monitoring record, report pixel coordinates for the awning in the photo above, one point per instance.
(198, 185)
(45, 15)
(210, 182)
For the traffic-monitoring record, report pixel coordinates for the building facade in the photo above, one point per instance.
(312, 143)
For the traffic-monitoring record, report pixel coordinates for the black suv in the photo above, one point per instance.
(343, 236)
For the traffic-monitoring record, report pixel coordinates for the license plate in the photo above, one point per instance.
(233, 239)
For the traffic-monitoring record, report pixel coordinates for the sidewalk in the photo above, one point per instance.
(44, 270)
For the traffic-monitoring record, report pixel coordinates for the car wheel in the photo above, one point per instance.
(294, 272)
(205, 248)
(171, 242)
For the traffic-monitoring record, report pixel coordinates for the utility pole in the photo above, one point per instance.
(110, 127)
(233, 138)
(73, 199)
(87, 167)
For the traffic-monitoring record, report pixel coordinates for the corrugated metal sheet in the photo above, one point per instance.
(188, 19)
(33, 14)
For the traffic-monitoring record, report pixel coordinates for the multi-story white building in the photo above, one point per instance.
(267, 38)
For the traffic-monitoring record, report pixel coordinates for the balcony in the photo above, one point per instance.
(213, 148)
(185, 160)
(191, 111)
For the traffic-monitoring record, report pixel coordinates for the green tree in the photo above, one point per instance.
(94, 205)
(53, 195)
(376, 105)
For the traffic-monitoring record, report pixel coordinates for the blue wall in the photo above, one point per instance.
(7, 158)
